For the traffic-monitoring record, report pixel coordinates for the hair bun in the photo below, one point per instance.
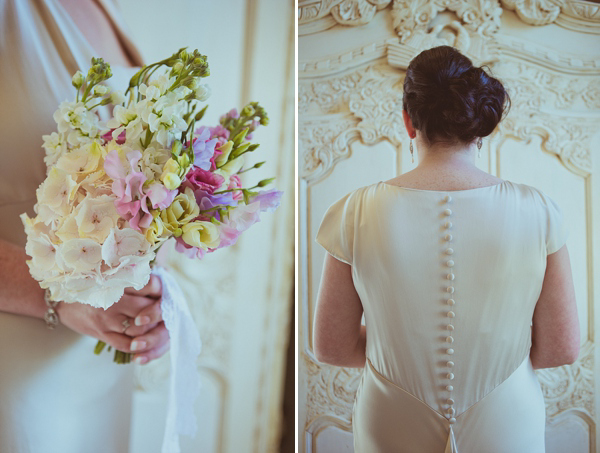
(447, 98)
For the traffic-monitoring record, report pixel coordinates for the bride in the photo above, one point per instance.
(55, 394)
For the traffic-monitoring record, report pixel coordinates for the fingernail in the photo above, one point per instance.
(137, 345)
(141, 320)
(141, 360)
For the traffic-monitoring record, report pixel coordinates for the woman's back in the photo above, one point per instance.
(449, 281)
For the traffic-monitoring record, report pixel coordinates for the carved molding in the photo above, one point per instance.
(480, 49)
(370, 104)
(330, 390)
(366, 105)
(482, 17)
(412, 17)
(345, 12)
(570, 387)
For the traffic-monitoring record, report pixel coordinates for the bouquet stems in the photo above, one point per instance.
(120, 356)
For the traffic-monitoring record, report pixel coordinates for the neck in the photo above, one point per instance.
(444, 155)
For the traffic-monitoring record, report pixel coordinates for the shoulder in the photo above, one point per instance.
(536, 195)
(357, 195)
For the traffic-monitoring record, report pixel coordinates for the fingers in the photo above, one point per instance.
(130, 305)
(136, 331)
(118, 341)
(152, 289)
(151, 345)
(155, 353)
(149, 315)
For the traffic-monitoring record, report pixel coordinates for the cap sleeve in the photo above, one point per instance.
(557, 230)
(336, 232)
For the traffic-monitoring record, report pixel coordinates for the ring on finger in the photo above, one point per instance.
(126, 324)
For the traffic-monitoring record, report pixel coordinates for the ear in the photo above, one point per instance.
(412, 133)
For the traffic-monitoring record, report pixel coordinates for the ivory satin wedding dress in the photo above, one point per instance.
(448, 281)
(55, 394)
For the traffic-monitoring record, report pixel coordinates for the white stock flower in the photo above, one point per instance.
(55, 146)
(100, 90)
(166, 117)
(117, 97)
(77, 122)
(128, 120)
(96, 216)
(203, 92)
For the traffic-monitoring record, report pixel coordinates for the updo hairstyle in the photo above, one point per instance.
(450, 100)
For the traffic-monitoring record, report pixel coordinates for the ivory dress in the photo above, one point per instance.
(448, 281)
(55, 394)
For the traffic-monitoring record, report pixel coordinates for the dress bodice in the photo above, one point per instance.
(448, 281)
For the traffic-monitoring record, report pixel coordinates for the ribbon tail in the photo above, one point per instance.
(184, 384)
(451, 444)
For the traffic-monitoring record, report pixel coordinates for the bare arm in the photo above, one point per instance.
(19, 293)
(338, 336)
(555, 336)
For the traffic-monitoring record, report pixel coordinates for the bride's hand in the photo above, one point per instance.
(107, 325)
(150, 336)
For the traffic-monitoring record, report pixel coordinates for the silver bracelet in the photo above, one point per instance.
(51, 316)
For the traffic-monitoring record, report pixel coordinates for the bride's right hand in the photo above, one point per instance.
(107, 325)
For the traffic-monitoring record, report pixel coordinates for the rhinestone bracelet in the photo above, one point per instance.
(51, 316)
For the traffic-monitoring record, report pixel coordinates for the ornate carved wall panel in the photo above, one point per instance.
(349, 103)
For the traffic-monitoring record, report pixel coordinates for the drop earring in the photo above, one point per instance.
(479, 144)
(411, 152)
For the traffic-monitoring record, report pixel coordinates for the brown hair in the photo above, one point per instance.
(449, 99)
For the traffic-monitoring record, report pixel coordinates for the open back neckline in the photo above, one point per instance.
(444, 191)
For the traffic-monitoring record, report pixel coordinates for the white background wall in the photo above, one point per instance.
(240, 296)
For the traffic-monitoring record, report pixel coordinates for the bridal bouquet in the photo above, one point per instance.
(116, 191)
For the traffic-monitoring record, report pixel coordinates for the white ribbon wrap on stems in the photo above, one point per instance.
(184, 385)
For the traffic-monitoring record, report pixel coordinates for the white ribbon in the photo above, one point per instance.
(184, 386)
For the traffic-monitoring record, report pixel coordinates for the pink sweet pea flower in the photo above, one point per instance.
(204, 147)
(268, 200)
(160, 196)
(188, 250)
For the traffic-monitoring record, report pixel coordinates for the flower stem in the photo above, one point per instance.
(120, 356)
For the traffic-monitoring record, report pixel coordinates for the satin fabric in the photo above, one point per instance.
(396, 241)
(55, 394)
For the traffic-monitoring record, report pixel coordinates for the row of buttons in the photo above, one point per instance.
(450, 314)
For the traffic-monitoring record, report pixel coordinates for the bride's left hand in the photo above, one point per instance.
(150, 337)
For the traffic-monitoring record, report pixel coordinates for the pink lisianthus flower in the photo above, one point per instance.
(233, 113)
(219, 132)
(235, 183)
(204, 180)
(213, 164)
